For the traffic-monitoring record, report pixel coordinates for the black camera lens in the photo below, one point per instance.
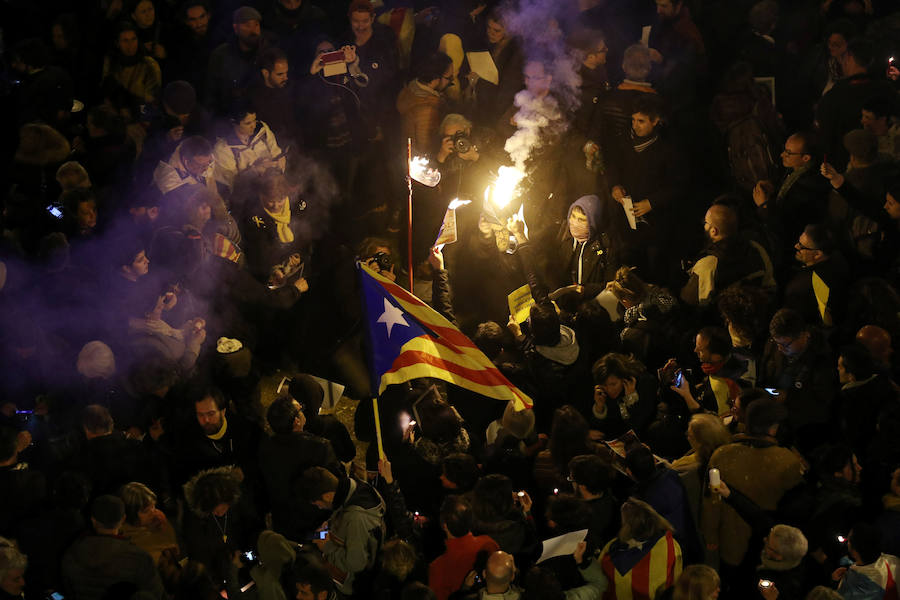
(385, 261)
(461, 142)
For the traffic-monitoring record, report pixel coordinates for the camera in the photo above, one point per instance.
(384, 260)
(461, 142)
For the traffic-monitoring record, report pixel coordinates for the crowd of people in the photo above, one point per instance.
(705, 216)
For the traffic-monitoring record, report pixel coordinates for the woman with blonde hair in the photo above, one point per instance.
(145, 525)
(705, 434)
(697, 582)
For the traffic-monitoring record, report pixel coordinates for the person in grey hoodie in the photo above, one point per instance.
(355, 530)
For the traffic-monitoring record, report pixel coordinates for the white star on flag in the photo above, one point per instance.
(391, 316)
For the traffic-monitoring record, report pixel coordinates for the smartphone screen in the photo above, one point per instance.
(54, 211)
(323, 534)
(679, 377)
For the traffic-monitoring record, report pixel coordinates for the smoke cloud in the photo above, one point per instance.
(538, 120)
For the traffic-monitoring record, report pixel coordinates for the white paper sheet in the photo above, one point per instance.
(333, 392)
(562, 545)
(482, 63)
(629, 211)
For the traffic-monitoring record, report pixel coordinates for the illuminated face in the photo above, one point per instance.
(701, 349)
(87, 214)
(843, 376)
(361, 24)
(806, 253)
(127, 43)
(892, 207)
(577, 220)
(613, 386)
(275, 205)
(537, 81)
(793, 155)
(789, 346)
(278, 76)
(209, 417)
(495, 32)
(198, 165)
(140, 266)
(246, 126)
(144, 14)
(197, 19)
(643, 124)
(598, 55)
(304, 592)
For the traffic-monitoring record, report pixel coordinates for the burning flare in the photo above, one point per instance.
(504, 188)
(421, 172)
(456, 203)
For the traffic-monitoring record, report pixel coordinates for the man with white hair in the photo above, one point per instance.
(12, 570)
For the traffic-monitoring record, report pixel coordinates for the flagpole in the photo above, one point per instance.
(377, 428)
(409, 211)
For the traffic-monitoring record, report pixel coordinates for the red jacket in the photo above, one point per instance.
(447, 572)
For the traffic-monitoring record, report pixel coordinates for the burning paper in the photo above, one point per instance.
(448, 233)
(421, 172)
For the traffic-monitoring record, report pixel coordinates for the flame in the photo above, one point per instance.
(505, 186)
(421, 172)
(456, 203)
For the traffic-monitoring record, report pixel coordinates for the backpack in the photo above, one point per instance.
(749, 152)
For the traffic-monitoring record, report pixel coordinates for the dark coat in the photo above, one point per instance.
(283, 458)
(94, 563)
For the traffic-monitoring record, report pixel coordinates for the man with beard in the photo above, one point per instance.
(219, 437)
(274, 97)
(728, 258)
(232, 65)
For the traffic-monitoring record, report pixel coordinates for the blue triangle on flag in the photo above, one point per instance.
(388, 324)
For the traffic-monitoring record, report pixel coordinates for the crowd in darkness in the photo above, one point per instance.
(711, 242)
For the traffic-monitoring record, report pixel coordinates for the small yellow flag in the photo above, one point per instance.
(822, 293)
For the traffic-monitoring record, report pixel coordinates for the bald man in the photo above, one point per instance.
(498, 576)
(727, 259)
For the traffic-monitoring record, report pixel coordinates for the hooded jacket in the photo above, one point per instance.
(356, 531)
(591, 263)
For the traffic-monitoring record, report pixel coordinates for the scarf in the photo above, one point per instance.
(712, 368)
(642, 143)
(580, 231)
(283, 223)
(221, 433)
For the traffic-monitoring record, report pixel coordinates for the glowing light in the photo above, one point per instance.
(421, 172)
(520, 216)
(506, 185)
(456, 203)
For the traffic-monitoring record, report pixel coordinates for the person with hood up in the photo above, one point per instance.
(275, 552)
(585, 255)
(355, 529)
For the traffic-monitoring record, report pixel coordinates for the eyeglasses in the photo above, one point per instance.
(800, 246)
(790, 153)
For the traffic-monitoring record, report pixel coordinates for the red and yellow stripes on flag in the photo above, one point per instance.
(657, 570)
(449, 355)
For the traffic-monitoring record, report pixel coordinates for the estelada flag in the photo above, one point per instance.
(409, 339)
